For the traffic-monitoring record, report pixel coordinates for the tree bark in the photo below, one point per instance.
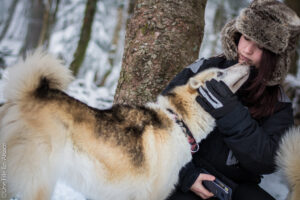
(85, 35)
(162, 37)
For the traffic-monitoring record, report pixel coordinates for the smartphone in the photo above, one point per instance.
(218, 188)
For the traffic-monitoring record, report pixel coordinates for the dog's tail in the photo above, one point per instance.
(288, 160)
(34, 76)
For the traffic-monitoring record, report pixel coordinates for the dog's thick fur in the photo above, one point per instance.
(126, 152)
(288, 161)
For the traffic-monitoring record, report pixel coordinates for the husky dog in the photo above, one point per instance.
(288, 161)
(126, 152)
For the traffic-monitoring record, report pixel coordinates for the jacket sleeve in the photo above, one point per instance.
(254, 144)
(188, 175)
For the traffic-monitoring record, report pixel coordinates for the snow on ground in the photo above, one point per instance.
(271, 183)
(63, 192)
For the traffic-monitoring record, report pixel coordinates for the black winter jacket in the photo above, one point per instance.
(240, 148)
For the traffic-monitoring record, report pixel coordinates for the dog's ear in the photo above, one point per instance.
(194, 84)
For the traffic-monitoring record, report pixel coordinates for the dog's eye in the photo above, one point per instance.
(219, 74)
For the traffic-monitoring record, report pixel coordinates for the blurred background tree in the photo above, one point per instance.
(91, 41)
(85, 35)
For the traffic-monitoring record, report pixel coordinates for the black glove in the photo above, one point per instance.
(216, 99)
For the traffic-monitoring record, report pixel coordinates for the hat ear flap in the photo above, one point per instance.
(228, 36)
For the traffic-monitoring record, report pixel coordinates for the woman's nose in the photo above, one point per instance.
(248, 49)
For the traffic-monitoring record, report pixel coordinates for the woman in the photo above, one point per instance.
(250, 123)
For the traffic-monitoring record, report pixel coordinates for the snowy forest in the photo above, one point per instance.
(90, 37)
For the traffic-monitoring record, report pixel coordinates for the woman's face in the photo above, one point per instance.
(249, 51)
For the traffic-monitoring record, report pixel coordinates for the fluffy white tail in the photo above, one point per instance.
(31, 170)
(39, 70)
(288, 160)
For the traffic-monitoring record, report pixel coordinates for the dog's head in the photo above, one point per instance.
(233, 77)
(182, 99)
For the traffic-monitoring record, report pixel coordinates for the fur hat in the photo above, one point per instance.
(272, 25)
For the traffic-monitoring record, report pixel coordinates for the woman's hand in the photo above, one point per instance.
(217, 99)
(198, 187)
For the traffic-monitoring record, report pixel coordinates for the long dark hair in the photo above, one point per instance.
(255, 94)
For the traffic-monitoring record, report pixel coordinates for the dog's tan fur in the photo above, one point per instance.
(126, 152)
(288, 161)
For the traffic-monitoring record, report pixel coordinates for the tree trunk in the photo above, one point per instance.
(85, 35)
(114, 46)
(162, 37)
(48, 21)
(218, 22)
(11, 12)
(293, 91)
(131, 7)
(34, 26)
(295, 5)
